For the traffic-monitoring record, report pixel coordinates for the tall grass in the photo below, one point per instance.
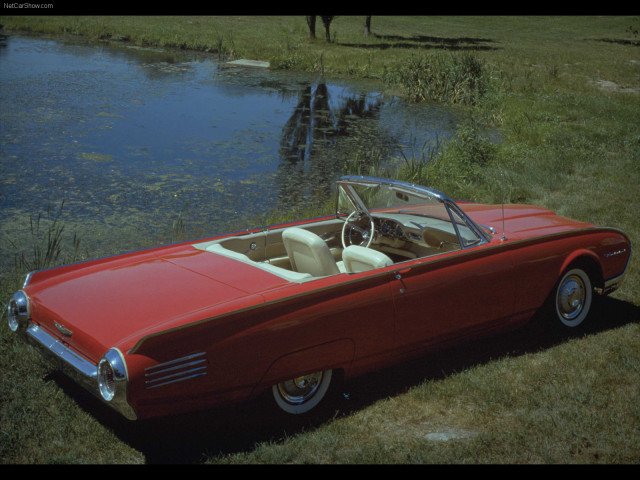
(46, 246)
(455, 78)
(463, 167)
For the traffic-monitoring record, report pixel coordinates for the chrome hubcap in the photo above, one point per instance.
(571, 297)
(300, 389)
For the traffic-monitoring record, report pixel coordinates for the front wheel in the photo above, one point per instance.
(302, 394)
(572, 298)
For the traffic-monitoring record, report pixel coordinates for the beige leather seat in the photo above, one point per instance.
(308, 253)
(360, 259)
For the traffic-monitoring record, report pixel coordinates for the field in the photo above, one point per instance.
(565, 94)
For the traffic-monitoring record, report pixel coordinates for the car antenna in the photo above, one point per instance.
(503, 237)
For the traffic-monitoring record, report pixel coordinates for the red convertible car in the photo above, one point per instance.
(287, 310)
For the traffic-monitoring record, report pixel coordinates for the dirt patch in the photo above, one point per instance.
(446, 434)
(432, 431)
(614, 87)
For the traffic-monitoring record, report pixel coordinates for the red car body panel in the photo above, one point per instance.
(252, 329)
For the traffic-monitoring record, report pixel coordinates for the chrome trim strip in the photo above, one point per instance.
(63, 330)
(27, 279)
(169, 380)
(362, 180)
(174, 370)
(614, 282)
(164, 365)
(487, 227)
(474, 227)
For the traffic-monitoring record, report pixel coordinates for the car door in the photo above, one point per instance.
(451, 295)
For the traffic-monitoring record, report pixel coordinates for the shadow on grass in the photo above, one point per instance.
(632, 43)
(424, 42)
(193, 438)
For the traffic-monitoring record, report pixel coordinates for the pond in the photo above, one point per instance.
(144, 145)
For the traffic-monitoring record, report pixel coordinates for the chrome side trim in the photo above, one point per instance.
(614, 283)
(177, 370)
(27, 279)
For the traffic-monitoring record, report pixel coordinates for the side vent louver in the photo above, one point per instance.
(176, 370)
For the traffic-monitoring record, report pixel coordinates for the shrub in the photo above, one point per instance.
(445, 78)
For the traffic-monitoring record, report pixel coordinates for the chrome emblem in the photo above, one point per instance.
(63, 330)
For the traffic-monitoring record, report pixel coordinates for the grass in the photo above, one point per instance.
(564, 93)
(493, 412)
(47, 233)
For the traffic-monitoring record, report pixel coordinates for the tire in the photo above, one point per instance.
(572, 299)
(303, 394)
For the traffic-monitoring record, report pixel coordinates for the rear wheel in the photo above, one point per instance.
(572, 298)
(302, 394)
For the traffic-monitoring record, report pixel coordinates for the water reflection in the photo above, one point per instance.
(310, 138)
(133, 139)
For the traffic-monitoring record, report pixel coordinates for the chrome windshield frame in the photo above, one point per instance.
(419, 190)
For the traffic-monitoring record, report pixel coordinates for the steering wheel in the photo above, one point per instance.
(349, 226)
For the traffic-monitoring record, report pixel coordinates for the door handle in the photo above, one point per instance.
(398, 276)
(399, 273)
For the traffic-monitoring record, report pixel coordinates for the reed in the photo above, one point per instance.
(46, 247)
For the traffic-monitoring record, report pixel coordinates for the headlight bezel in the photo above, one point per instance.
(18, 311)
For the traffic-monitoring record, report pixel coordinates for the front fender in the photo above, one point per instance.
(581, 253)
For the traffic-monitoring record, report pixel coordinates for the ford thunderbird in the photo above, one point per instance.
(284, 312)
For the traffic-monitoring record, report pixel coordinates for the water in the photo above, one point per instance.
(137, 141)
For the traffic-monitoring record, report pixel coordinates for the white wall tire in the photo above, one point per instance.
(572, 298)
(302, 394)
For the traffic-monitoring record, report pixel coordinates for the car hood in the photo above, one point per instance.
(113, 302)
(520, 221)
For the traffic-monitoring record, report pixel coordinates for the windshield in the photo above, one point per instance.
(412, 205)
(374, 195)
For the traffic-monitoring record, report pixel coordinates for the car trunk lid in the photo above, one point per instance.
(96, 305)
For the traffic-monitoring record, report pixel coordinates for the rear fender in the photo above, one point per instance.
(332, 355)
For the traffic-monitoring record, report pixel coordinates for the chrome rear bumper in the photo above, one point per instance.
(76, 367)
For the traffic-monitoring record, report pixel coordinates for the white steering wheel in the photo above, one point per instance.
(348, 227)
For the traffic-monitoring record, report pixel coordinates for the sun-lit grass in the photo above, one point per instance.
(564, 93)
